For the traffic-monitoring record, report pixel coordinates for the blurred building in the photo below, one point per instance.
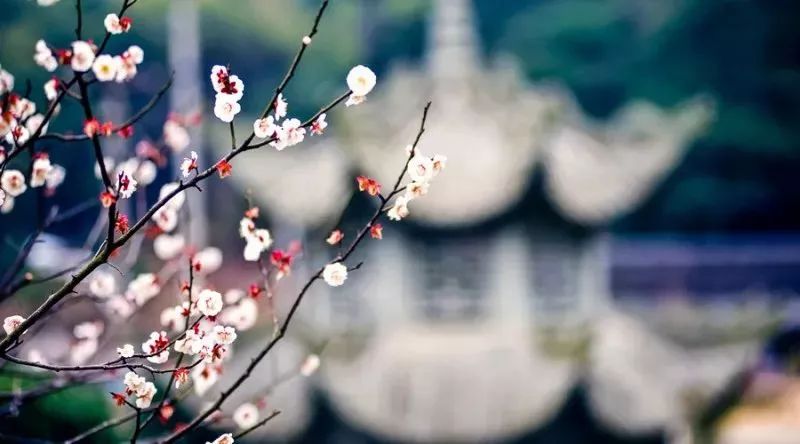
(476, 321)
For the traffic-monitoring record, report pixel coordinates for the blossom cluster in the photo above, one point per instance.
(200, 322)
(422, 169)
(82, 57)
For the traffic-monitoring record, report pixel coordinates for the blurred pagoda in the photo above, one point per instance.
(479, 317)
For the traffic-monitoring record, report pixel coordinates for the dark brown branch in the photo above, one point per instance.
(131, 120)
(105, 367)
(246, 431)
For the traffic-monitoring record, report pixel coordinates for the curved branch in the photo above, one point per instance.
(131, 120)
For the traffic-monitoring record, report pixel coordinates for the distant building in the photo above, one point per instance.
(480, 323)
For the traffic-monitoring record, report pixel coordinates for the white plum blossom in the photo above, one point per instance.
(310, 365)
(168, 246)
(102, 284)
(439, 163)
(246, 227)
(6, 203)
(82, 56)
(225, 108)
(166, 218)
(135, 53)
(258, 241)
(11, 323)
(204, 376)
(127, 62)
(133, 383)
(144, 396)
(243, 315)
(218, 74)
(360, 80)
(44, 56)
(126, 184)
(39, 171)
(334, 274)
(13, 183)
(143, 288)
(209, 302)
(18, 134)
(416, 189)
(55, 177)
(105, 67)
(51, 89)
(233, 295)
(265, 127)
(172, 318)
(319, 125)
(34, 123)
(126, 351)
(146, 172)
(118, 306)
(175, 135)
(115, 25)
(400, 208)
(246, 415)
(189, 164)
(22, 108)
(88, 330)
(190, 344)
(290, 133)
(157, 343)
(420, 168)
(281, 107)
(224, 83)
(224, 335)
(207, 260)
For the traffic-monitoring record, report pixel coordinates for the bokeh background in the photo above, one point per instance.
(611, 256)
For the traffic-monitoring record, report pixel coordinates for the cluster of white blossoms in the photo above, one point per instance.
(18, 122)
(422, 169)
(82, 57)
(43, 174)
(229, 89)
(258, 240)
(138, 386)
(200, 323)
(290, 132)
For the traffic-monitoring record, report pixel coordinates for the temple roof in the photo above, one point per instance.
(496, 128)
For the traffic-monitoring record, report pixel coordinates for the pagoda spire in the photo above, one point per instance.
(452, 44)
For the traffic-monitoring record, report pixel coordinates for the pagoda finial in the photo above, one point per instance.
(452, 44)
